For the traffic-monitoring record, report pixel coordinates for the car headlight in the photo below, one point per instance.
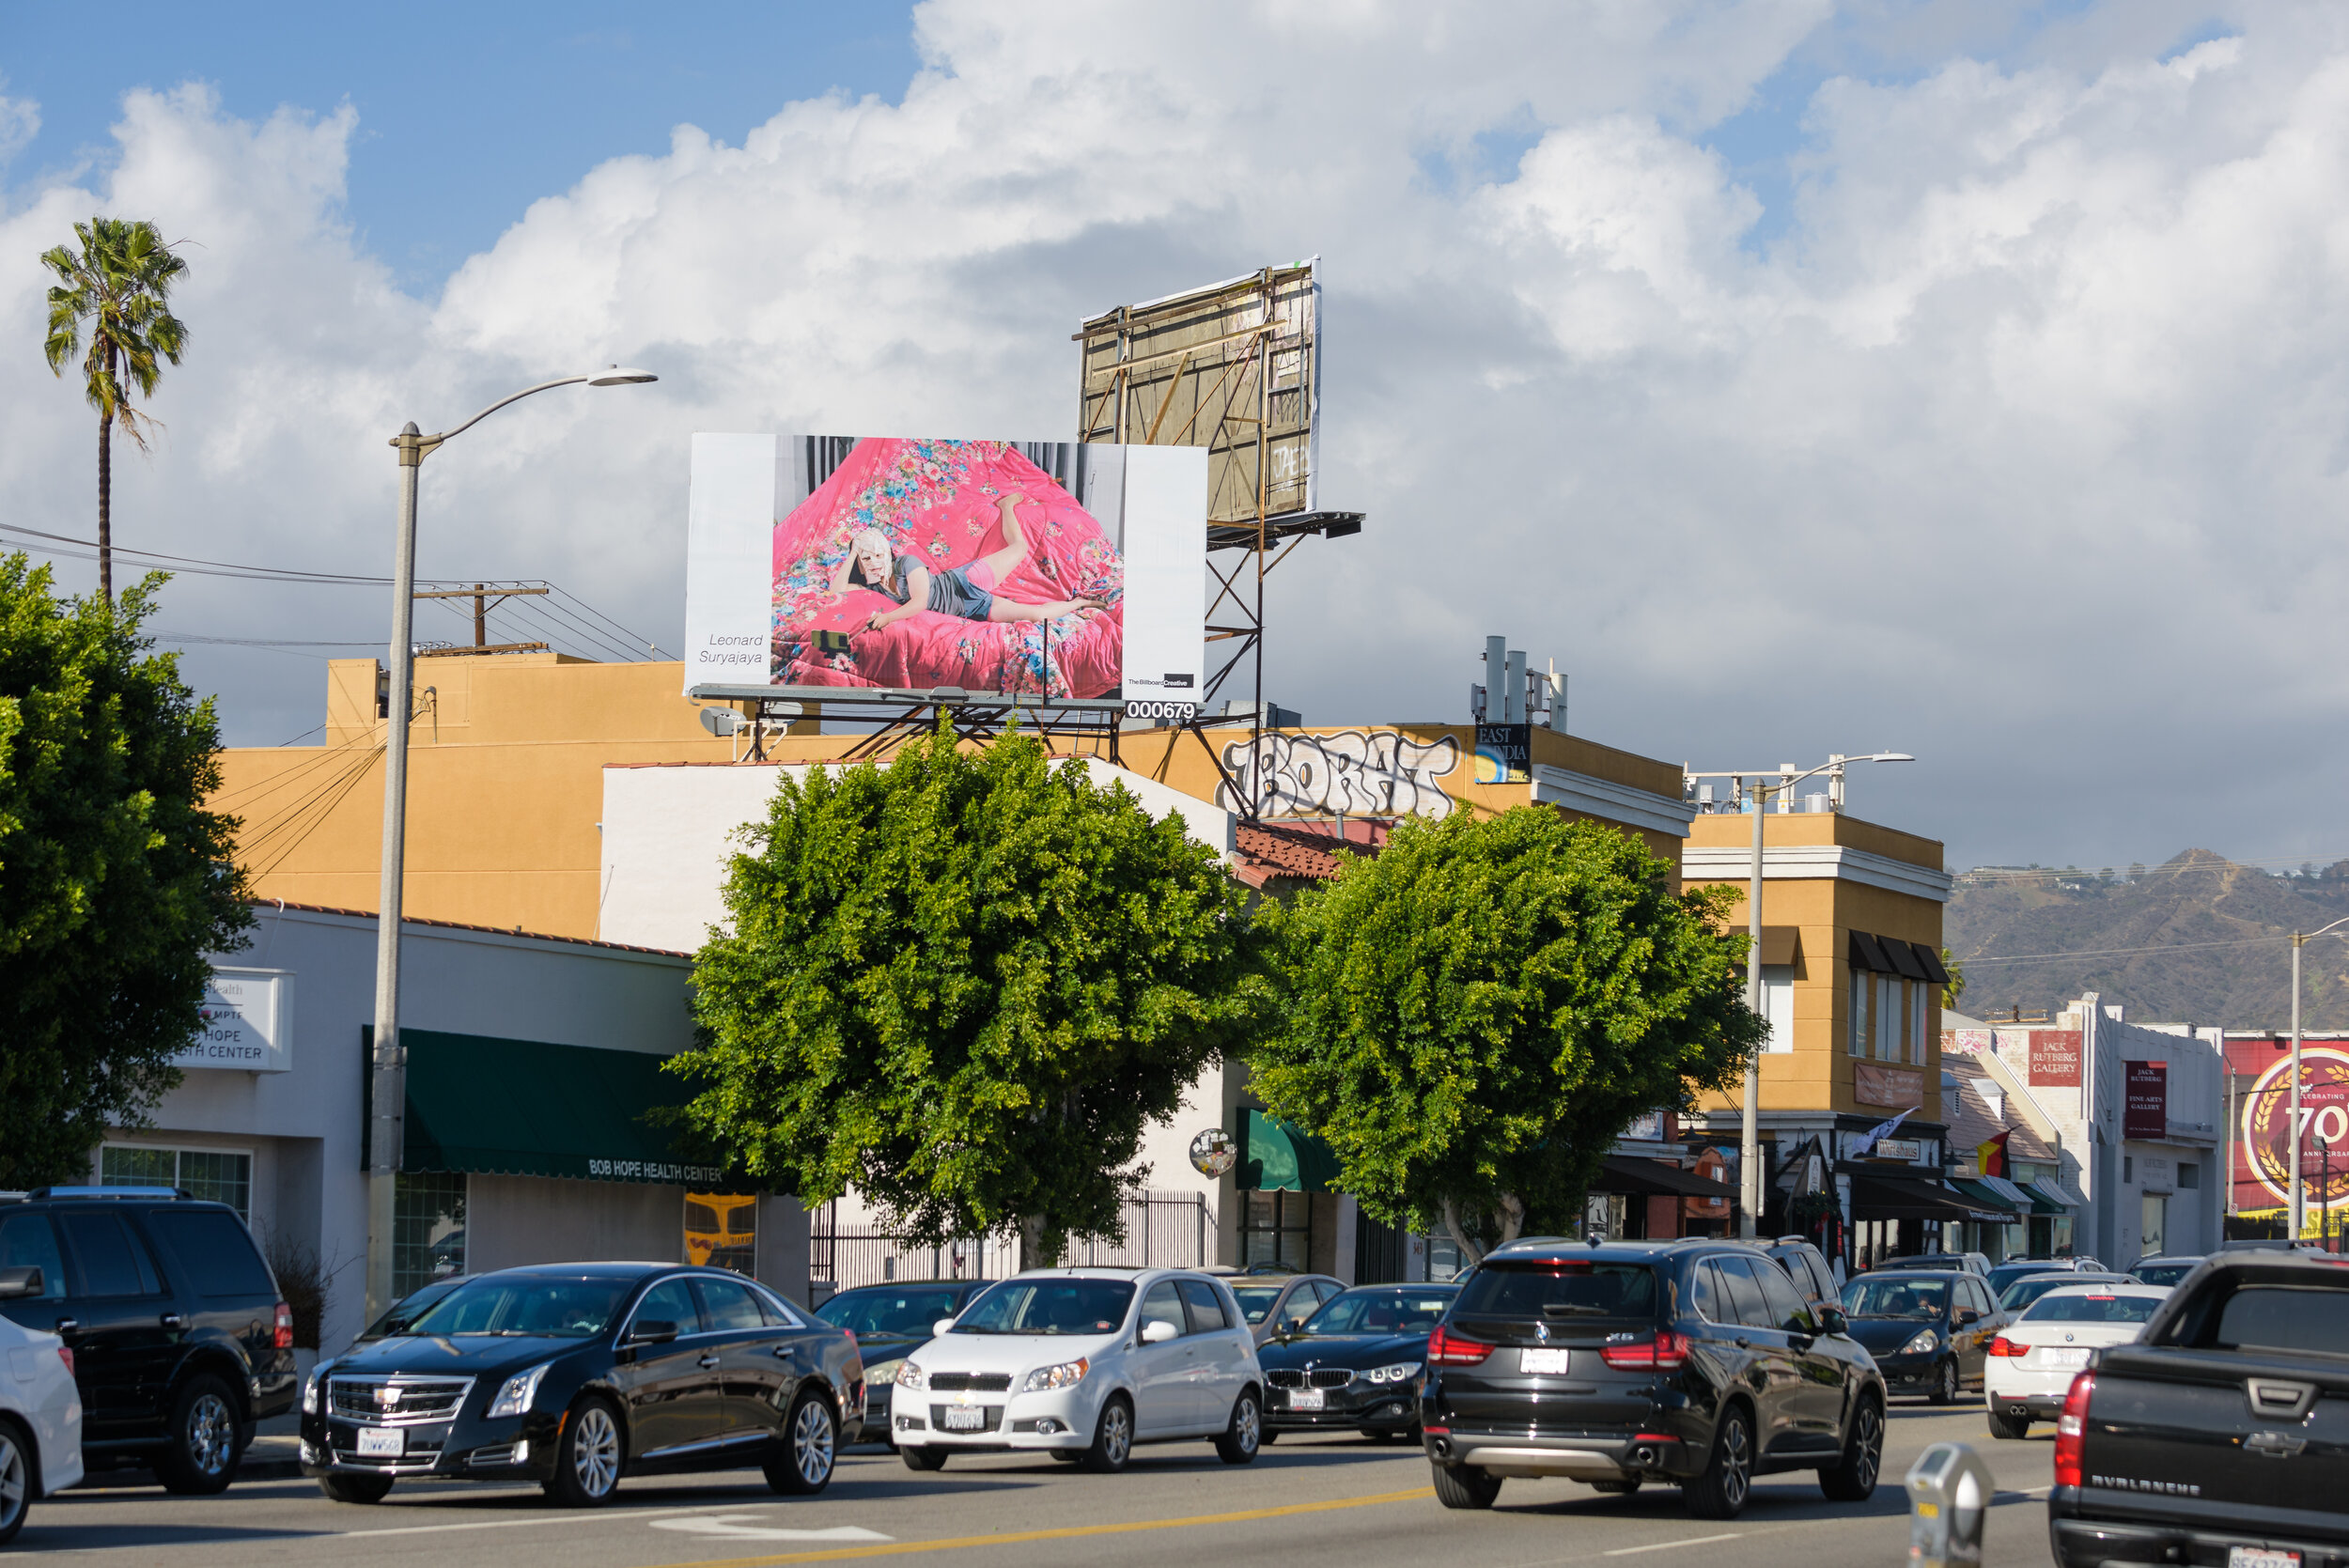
(516, 1393)
(310, 1385)
(1065, 1375)
(1927, 1340)
(910, 1375)
(881, 1372)
(1401, 1371)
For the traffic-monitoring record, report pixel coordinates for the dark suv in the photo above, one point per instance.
(1692, 1362)
(180, 1340)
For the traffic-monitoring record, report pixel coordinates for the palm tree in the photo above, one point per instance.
(120, 285)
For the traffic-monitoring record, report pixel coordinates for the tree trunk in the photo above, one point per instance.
(1512, 1218)
(1033, 1241)
(106, 508)
(1469, 1248)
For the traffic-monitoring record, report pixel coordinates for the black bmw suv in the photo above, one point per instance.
(180, 1340)
(1692, 1362)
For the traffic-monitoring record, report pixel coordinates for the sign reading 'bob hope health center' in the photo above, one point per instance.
(248, 1022)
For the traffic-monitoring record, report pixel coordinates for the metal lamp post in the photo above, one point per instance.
(2296, 1207)
(388, 1071)
(1749, 1135)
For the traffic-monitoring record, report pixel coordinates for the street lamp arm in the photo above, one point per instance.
(424, 444)
(543, 386)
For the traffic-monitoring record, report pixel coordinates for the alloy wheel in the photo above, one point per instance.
(812, 1442)
(212, 1434)
(16, 1483)
(1736, 1463)
(1117, 1433)
(1245, 1425)
(1949, 1383)
(595, 1451)
(1868, 1447)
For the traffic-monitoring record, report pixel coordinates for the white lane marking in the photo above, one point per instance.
(746, 1526)
(584, 1518)
(1669, 1545)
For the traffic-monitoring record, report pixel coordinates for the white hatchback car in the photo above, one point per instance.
(2032, 1364)
(1082, 1364)
(41, 1413)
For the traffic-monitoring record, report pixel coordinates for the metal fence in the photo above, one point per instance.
(1163, 1230)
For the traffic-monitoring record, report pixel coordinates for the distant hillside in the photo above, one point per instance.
(2197, 897)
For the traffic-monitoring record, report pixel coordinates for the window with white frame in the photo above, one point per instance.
(1778, 1006)
(1888, 1018)
(222, 1175)
(1859, 1011)
(1920, 996)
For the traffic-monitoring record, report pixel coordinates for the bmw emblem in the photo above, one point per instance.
(2067, 1338)
(1540, 1331)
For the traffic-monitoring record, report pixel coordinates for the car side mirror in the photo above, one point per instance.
(22, 1280)
(652, 1330)
(1832, 1321)
(941, 1327)
(1157, 1332)
(1967, 1314)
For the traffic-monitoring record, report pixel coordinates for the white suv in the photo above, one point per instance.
(1083, 1363)
(40, 1411)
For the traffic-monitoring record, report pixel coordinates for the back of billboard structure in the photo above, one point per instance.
(1235, 368)
(897, 565)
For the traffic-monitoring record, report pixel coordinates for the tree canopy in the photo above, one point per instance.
(964, 984)
(1474, 1016)
(115, 881)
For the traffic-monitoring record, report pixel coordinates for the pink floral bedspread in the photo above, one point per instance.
(935, 500)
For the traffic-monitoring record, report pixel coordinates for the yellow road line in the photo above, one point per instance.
(901, 1548)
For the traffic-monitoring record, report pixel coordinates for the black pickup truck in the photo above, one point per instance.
(2220, 1437)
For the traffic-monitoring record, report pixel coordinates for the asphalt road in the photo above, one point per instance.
(1326, 1503)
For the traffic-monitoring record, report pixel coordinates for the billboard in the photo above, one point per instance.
(1234, 369)
(2263, 1149)
(2145, 1108)
(910, 565)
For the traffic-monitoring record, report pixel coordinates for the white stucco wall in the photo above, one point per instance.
(668, 830)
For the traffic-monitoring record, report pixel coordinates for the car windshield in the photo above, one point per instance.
(2092, 1308)
(1380, 1311)
(1922, 1298)
(1048, 1307)
(2025, 1291)
(2006, 1274)
(1256, 1300)
(407, 1309)
(879, 1310)
(2164, 1273)
(526, 1304)
(1543, 1287)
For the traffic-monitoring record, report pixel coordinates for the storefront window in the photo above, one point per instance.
(2156, 1214)
(1443, 1258)
(1277, 1229)
(214, 1174)
(1887, 1018)
(428, 1229)
(722, 1230)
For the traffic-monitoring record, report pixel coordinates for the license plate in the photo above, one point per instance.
(1307, 1399)
(2063, 1358)
(2259, 1556)
(1542, 1360)
(383, 1440)
(959, 1419)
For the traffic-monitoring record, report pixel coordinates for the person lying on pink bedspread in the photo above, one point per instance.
(968, 592)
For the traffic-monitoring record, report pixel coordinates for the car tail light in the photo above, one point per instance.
(65, 1354)
(1446, 1349)
(1663, 1351)
(282, 1338)
(856, 1356)
(2004, 1346)
(2072, 1430)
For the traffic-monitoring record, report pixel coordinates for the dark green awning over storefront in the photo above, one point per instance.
(1277, 1158)
(1985, 1194)
(525, 1107)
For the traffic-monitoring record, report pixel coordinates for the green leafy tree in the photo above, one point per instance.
(964, 985)
(121, 286)
(1475, 1016)
(115, 881)
(1957, 987)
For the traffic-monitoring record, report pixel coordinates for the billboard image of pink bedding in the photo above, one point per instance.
(926, 564)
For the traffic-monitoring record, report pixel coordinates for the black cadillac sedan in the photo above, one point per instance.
(1354, 1364)
(576, 1374)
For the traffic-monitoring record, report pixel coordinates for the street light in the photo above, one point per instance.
(389, 1069)
(2296, 1208)
(1749, 1137)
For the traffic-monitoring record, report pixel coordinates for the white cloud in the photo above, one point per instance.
(2019, 447)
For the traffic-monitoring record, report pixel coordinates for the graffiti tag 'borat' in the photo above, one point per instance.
(1357, 773)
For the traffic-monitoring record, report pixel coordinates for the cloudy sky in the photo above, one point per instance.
(1964, 378)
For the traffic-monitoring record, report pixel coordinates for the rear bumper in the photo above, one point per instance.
(1605, 1458)
(2088, 1542)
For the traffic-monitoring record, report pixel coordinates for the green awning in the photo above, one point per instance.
(525, 1107)
(1277, 1158)
(1985, 1194)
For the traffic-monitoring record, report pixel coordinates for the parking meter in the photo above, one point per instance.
(1948, 1497)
